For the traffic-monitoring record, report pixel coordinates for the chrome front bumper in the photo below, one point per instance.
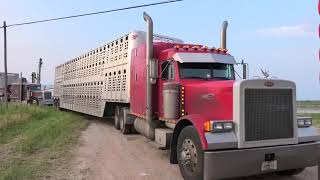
(246, 162)
(223, 158)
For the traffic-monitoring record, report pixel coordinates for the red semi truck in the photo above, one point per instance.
(186, 98)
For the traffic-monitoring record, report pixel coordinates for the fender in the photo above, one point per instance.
(197, 121)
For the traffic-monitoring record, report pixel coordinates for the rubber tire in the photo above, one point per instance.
(34, 101)
(57, 104)
(124, 128)
(189, 132)
(290, 172)
(117, 118)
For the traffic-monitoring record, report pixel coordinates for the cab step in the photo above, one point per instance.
(163, 138)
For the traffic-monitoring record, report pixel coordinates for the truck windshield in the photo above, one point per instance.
(206, 71)
(35, 88)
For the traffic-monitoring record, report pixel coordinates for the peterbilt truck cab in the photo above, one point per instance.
(222, 127)
(242, 127)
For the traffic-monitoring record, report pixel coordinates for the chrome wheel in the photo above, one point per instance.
(188, 156)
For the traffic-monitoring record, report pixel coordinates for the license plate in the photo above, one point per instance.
(269, 165)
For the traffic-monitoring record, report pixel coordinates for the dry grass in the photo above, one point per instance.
(36, 141)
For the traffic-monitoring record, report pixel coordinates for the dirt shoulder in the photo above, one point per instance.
(105, 154)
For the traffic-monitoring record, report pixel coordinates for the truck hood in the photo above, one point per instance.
(212, 99)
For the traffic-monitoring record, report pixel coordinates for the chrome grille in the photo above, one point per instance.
(268, 114)
(47, 95)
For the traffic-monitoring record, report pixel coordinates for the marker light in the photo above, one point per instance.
(186, 47)
(176, 46)
(182, 101)
(224, 50)
(195, 47)
(204, 48)
(304, 122)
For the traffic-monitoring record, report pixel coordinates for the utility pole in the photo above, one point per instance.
(20, 95)
(5, 64)
(39, 71)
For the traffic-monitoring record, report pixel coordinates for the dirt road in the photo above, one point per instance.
(106, 154)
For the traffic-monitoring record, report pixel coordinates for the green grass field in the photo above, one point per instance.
(35, 141)
(315, 118)
(308, 104)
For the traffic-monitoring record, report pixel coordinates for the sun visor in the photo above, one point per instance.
(204, 58)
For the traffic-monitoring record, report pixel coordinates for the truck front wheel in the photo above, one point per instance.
(34, 101)
(190, 154)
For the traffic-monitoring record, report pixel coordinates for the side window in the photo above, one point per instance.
(167, 71)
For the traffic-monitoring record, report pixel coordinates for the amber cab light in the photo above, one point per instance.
(207, 126)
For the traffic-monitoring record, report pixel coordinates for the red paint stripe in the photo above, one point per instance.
(319, 7)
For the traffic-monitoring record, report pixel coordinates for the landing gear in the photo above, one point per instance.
(190, 154)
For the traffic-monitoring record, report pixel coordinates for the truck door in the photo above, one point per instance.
(167, 74)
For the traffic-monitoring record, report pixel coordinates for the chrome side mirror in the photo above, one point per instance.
(244, 70)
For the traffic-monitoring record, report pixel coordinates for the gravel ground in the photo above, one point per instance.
(105, 154)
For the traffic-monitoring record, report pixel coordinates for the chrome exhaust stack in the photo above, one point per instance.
(147, 126)
(223, 43)
(149, 43)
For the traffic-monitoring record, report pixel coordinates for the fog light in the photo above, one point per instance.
(300, 122)
(308, 122)
(217, 126)
(228, 126)
(304, 122)
(222, 126)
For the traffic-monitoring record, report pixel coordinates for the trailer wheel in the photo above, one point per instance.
(116, 117)
(190, 154)
(290, 172)
(124, 128)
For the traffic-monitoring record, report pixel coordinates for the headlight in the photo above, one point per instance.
(304, 122)
(218, 126)
(228, 126)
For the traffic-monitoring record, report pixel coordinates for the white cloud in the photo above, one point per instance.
(297, 30)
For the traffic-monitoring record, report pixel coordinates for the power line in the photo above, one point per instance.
(93, 13)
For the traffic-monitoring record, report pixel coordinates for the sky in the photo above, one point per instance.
(278, 36)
